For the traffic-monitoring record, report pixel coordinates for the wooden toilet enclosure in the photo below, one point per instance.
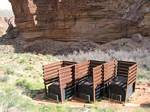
(90, 80)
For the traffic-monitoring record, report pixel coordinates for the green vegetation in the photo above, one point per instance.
(143, 76)
(20, 79)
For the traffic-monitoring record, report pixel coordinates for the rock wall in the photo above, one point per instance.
(73, 20)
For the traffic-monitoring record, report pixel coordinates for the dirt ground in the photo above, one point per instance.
(141, 98)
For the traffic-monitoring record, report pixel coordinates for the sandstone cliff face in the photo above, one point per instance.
(71, 20)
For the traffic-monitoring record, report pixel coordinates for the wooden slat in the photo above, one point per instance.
(81, 75)
(85, 68)
(51, 68)
(126, 62)
(97, 68)
(123, 68)
(132, 81)
(53, 64)
(109, 66)
(50, 75)
(109, 70)
(134, 76)
(66, 74)
(133, 73)
(82, 71)
(63, 71)
(132, 70)
(122, 72)
(125, 75)
(66, 79)
(98, 81)
(131, 76)
(97, 76)
(68, 63)
(97, 73)
(82, 64)
(133, 66)
(95, 62)
(50, 72)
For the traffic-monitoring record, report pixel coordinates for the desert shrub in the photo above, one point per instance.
(10, 71)
(31, 88)
(142, 57)
(81, 56)
(143, 76)
(11, 98)
(29, 84)
(4, 78)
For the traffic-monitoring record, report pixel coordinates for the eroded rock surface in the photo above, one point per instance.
(71, 20)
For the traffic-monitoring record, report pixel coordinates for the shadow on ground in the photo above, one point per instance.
(44, 46)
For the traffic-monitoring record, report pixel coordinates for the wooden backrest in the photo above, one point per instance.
(97, 75)
(132, 74)
(97, 71)
(81, 70)
(109, 70)
(127, 69)
(51, 72)
(66, 75)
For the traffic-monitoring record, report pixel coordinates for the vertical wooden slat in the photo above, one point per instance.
(93, 86)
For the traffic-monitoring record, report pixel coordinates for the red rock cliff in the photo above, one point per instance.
(70, 20)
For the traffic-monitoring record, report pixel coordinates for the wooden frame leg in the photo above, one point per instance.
(45, 90)
(62, 95)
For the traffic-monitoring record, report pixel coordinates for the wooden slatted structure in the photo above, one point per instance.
(59, 75)
(89, 76)
(81, 71)
(88, 79)
(128, 70)
(123, 85)
(109, 71)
